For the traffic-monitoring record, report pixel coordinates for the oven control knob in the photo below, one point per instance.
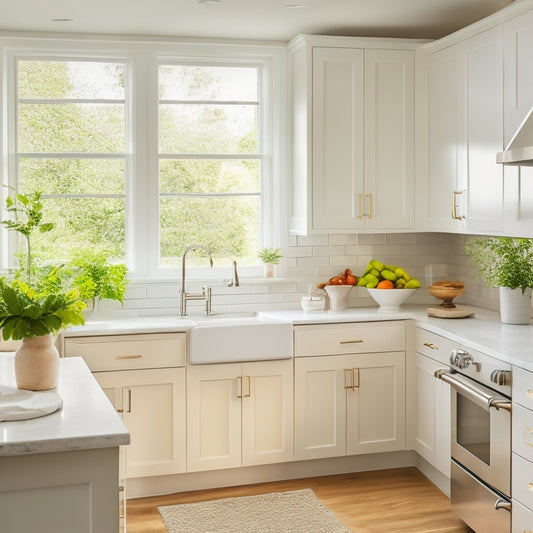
(462, 359)
(501, 377)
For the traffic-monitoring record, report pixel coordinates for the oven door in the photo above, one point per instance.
(481, 431)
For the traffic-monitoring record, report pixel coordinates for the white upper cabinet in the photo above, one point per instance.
(518, 48)
(460, 129)
(352, 133)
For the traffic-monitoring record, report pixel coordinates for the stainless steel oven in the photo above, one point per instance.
(480, 440)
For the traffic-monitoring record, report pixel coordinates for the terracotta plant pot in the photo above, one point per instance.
(37, 364)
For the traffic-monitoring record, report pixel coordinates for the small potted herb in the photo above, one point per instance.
(507, 263)
(270, 257)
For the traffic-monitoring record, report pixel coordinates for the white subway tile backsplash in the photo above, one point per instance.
(307, 262)
(319, 251)
(344, 240)
(313, 240)
(315, 258)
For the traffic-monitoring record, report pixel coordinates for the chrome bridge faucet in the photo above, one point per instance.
(206, 291)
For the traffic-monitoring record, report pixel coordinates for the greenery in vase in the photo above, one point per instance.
(504, 261)
(34, 302)
(95, 277)
(270, 255)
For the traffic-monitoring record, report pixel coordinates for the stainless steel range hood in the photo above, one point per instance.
(520, 150)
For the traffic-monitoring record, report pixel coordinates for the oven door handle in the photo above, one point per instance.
(475, 394)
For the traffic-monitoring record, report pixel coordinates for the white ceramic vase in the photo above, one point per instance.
(515, 306)
(268, 269)
(37, 364)
(338, 296)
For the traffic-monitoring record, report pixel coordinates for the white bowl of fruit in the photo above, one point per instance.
(389, 285)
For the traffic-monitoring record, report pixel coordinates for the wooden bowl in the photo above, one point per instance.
(447, 291)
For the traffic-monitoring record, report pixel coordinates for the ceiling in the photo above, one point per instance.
(247, 19)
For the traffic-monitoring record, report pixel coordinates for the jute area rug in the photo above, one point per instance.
(297, 511)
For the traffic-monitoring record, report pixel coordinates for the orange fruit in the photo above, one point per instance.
(385, 284)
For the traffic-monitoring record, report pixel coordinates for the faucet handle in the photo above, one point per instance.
(206, 291)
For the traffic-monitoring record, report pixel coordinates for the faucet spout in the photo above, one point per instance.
(184, 296)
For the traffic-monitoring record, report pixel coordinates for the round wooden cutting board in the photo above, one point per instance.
(455, 312)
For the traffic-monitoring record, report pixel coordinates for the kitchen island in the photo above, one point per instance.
(60, 472)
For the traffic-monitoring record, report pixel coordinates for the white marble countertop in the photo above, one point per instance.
(484, 331)
(87, 419)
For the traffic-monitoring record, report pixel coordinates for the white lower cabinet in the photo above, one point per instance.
(349, 404)
(143, 375)
(432, 421)
(152, 404)
(239, 414)
(522, 458)
(432, 438)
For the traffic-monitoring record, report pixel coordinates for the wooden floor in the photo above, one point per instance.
(393, 501)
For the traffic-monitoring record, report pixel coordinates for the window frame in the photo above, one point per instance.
(142, 149)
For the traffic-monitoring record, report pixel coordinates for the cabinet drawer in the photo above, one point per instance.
(363, 337)
(523, 387)
(434, 346)
(522, 481)
(522, 518)
(523, 432)
(129, 352)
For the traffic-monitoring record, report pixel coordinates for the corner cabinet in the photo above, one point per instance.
(239, 414)
(349, 389)
(352, 134)
(459, 131)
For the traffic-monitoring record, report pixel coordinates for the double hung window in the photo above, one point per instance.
(71, 144)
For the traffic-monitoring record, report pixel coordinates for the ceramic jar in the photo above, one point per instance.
(37, 364)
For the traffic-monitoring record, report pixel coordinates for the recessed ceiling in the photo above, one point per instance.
(248, 19)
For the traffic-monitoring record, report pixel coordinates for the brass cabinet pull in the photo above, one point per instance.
(354, 341)
(136, 356)
(129, 401)
(530, 486)
(249, 393)
(431, 345)
(454, 206)
(239, 379)
(348, 371)
(371, 198)
(120, 410)
(360, 217)
(528, 436)
(530, 393)
(355, 378)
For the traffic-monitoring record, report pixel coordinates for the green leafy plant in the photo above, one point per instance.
(26, 313)
(27, 215)
(504, 261)
(34, 302)
(270, 255)
(96, 277)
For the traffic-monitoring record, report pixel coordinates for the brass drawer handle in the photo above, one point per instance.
(530, 393)
(530, 486)
(431, 345)
(361, 214)
(354, 341)
(137, 356)
(239, 379)
(528, 436)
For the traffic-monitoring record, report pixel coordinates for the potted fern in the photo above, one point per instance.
(34, 305)
(96, 277)
(270, 257)
(507, 263)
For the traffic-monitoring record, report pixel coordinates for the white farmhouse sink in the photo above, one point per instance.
(237, 337)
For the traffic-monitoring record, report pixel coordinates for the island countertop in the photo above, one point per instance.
(86, 421)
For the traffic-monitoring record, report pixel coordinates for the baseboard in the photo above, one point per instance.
(158, 485)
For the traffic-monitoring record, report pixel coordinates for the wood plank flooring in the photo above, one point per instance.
(401, 500)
